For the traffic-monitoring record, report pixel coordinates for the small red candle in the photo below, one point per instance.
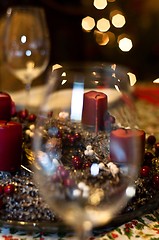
(127, 144)
(10, 146)
(5, 106)
(94, 109)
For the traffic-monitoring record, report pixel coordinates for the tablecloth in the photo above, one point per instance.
(146, 227)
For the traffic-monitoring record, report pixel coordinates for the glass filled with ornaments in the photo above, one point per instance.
(86, 144)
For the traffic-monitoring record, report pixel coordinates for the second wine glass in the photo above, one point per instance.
(87, 148)
(26, 44)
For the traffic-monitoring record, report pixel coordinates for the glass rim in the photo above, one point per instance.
(77, 65)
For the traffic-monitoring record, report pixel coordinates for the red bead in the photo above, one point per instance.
(157, 149)
(86, 165)
(151, 139)
(71, 138)
(23, 114)
(77, 136)
(144, 171)
(32, 117)
(155, 181)
(148, 155)
(9, 189)
(60, 168)
(68, 182)
(148, 158)
(64, 173)
(77, 162)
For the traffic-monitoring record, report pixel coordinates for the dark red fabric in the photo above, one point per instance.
(149, 94)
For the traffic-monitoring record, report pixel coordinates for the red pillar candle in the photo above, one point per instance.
(94, 109)
(127, 144)
(10, 146)
(5, 106)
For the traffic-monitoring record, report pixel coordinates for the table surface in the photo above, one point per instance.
(145, 227)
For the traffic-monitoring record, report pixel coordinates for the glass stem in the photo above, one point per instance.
(27, 90)
(83, 233)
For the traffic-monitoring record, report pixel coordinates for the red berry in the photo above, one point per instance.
(77, 136)
(86, 165)
(23, 114)
(64, 173)
(155, 181)
(148, 158)
(148, 155)
(157, 149)
(32, 117)
(151, 139)
(68, 182)
(77, 162)
(144, 171)
(9, 189)
(60, 168)
(71, 138)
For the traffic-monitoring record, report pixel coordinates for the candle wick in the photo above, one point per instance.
(126, 130)
(5, 122)
(97, 95)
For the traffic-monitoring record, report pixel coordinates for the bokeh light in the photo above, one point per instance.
(102, 33)
(118, 20)
(100, 4)
(103, 24)
(125, 44)
(88, 23)
(101, 38)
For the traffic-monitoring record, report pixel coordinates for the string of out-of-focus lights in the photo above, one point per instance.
(103, 27)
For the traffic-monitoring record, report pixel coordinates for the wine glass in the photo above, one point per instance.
(86, 144)
(26, 44)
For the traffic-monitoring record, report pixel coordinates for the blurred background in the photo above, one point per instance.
(125, 32)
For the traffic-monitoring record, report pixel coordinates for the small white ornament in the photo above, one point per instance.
(113, 168)
(101, 165)
(63, 115)
(89, 151)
